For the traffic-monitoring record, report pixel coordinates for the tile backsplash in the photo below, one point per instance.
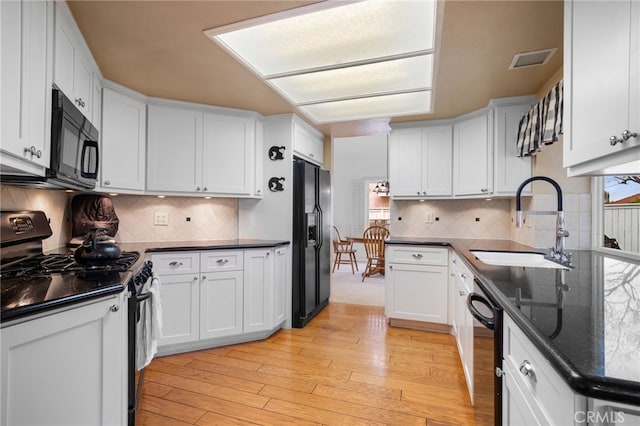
(495, 219)
(190, 218)
(473, 218)
(214, 219)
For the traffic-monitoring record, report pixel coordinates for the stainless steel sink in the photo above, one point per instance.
(516, 258)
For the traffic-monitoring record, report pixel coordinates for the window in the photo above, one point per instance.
(618, 212)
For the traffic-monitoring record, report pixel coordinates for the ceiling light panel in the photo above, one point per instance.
(378, 106)
(400, 75)
(351, 33)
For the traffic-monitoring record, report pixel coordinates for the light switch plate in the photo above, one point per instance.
(428, 218)
(161, 219)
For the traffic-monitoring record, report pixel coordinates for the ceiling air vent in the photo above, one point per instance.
(531, 59)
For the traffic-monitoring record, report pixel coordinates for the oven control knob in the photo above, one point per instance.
(114, 308)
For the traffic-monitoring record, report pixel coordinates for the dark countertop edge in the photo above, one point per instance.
(209, 245)
(607, 388)
(21, 312)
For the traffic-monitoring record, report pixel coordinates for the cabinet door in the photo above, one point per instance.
(602, 78)
(25, 103)
(437, 153)
(221, 295)
(280, 285)
(509, 169)
(73, 68)
(405, 162)
(609, 413)
(307, 146)
(66, 368)
(516, 410)
(174, 150)
(180, 314)
(471, 155)
(258, 290)
(228, 154)
(123, 142)
(416, 292)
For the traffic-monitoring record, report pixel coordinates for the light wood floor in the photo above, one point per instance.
(346, 367)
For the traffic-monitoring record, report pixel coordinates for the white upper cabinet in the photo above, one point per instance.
(308, 144)
(74, 69)
(472, 163)
(420, 162)
(509, 170)
(228, 152)
(174, 152)
(25, 84)
(601, 86)
(123, 142)
(197, 152)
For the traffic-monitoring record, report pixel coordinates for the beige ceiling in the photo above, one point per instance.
(158, 48)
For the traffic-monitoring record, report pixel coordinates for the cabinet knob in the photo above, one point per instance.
(114, 308)
(311, 154)
(198, 188)
(268, 253)
(80, 102)
(527, 369)
(205, 188)
(175, 264)
(624, 136)
(391, 267)
(222, 261)
(424, 192)
(462, 293)
(107, 182)
(484, 190)
(195, 278)
(33, 151)
(418, 192)
(258, 191)
(204, 277)
(464, 276)
(417, 256)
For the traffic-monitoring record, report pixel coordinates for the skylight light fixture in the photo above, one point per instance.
(342, 61)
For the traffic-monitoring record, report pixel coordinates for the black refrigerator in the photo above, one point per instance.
(311, 241)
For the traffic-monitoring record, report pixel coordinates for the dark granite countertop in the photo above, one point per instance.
(21, 297)
(585, 321)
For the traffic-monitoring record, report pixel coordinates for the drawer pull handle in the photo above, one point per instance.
(527, 369)
(222, 261)
(417, 256)
(175, 264)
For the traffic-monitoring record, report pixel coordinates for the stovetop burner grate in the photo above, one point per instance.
(47, 264)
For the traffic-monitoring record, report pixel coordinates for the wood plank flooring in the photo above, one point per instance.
(346, 367)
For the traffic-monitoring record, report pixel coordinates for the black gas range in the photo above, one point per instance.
(32, 281)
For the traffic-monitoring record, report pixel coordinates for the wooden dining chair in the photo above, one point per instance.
(343, 248)
(373, 238)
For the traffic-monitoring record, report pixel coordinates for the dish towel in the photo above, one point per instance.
(149, 326)
(542, 124)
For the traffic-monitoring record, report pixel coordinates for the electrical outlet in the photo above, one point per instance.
(161, 219)
(428, 218)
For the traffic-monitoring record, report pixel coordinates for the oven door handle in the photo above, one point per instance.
(487, 322)
(143, 297)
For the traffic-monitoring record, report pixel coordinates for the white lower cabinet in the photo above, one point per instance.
(461, 318)
(180, 314)
(416, 283)
(220, 294)
(533, 393)
(66, 368)
(608, 413)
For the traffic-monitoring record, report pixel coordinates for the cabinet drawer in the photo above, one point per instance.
(176, 263)
(212, 261)
(548, 394)
(419, 255)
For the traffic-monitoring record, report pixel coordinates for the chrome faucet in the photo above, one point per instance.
(555, 253)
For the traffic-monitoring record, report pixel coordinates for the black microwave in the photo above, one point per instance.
(74, 151)
(74, 145)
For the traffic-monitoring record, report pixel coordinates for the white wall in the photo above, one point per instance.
(355, 160)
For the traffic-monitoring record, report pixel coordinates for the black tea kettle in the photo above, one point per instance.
(97, 249)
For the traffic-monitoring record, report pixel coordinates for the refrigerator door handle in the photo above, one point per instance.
(320, 237)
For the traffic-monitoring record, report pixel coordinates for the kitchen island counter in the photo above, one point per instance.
(583, 320)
